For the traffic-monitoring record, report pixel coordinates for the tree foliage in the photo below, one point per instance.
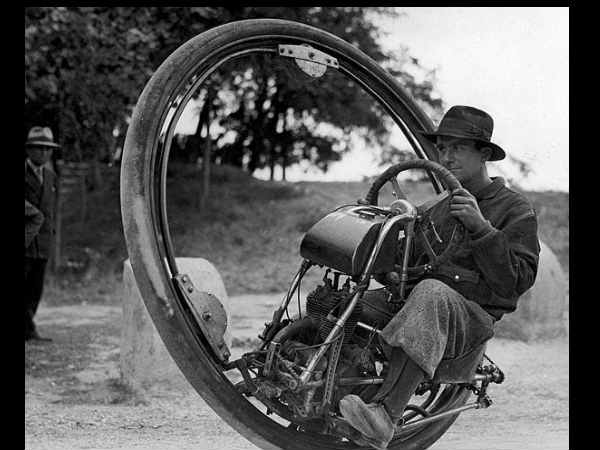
(86, 66)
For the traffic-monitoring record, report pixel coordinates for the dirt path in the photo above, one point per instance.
(74, 400)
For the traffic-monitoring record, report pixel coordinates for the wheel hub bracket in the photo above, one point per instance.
(209, 315)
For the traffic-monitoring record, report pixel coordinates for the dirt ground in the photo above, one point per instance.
(74, 398)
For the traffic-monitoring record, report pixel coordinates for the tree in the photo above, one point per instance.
(278, 109)
(86, 66)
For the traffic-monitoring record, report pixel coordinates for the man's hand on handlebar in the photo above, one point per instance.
(464, 207)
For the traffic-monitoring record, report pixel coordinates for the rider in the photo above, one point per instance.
(451, 312)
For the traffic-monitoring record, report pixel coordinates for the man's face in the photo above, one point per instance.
(39, 154)
(460, 156)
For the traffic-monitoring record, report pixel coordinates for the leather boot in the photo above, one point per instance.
(372, 420)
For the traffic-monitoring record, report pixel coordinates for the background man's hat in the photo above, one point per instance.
(41, 136)
(468, 123)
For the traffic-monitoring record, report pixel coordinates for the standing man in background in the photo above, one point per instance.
(40, 193)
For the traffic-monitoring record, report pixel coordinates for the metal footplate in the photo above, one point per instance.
(209, 314)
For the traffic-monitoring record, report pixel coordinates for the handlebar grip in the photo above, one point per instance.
(448, 177)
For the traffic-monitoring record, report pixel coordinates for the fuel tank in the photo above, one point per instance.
(344, 239)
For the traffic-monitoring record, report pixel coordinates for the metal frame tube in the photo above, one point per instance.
(407, 245)
(368, 327)
(359, 381)
(285, 302)
(434, 417)
(362, 286)
(356, 381)
(314, 360)
(301, 272)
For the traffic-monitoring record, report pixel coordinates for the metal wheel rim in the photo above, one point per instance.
(171, 115)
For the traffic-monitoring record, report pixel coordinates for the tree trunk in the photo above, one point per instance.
(272, 163)
(259, 129)
(283, 164)
(83, 190)
(255, 151)
(206, 169)
(204, 121)
(102, 155)
(275, 147)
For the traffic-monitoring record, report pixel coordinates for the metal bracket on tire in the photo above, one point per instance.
(307, 53)
(312, 61)
(209, 314)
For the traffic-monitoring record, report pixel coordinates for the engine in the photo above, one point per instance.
(301, 340)
(324, 305)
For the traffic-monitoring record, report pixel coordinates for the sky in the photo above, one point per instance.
(512, 62)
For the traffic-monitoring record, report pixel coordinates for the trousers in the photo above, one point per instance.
(441, 331)
(35, 269)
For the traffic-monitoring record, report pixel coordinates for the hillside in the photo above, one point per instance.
(250, 230)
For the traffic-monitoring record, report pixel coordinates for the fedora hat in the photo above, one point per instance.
(41, 136)
(468, 123)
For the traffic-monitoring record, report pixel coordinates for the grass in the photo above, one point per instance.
(249, 229)
(553, 220)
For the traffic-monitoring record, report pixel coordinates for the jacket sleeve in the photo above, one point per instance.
(33, 222)
(508, 257)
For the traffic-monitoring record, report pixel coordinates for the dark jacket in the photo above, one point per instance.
(497, 265)
(43, 198)
(33, 221)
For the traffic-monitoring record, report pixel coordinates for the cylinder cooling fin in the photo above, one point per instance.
(325, 303)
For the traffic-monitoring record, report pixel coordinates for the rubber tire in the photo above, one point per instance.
(143, 239)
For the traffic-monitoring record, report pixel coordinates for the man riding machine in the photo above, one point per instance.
(441, 330)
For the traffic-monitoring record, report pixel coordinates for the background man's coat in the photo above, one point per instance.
(42, 196)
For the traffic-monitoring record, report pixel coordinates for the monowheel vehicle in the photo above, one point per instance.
(305, 363)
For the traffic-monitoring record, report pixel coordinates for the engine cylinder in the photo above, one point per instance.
(325, 300)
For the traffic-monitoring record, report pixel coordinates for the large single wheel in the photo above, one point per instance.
(143, 207)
